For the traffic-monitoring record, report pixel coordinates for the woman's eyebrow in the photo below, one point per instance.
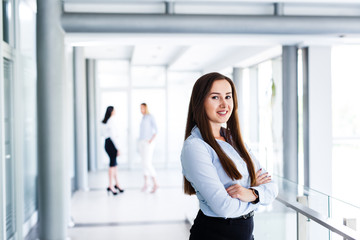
(220, 93)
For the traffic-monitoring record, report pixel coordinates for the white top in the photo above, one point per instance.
(109, 130)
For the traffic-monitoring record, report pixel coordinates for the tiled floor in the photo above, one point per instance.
(134, 214)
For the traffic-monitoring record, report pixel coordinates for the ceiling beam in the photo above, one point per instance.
(208, 24)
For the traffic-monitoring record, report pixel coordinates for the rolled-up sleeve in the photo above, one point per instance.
(199, 170)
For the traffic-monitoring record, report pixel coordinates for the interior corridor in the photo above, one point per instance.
(164, 215)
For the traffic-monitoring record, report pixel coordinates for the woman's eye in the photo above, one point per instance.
(227, 97)
(215, 97)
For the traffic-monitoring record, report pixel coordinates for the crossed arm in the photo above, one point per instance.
(246, 194)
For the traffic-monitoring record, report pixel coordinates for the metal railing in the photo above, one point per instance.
(326, 222)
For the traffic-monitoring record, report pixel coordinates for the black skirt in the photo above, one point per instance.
(213, 228)
(111, 151)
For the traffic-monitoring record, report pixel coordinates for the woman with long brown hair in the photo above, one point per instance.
(218, 167)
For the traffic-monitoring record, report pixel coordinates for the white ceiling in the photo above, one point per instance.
(202, 53)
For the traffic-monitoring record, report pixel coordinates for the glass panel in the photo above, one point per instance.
(9, 161)
(275, 222)
(277, 114)
(28, 78)
(270, 113)
(265, 82)
(346, 121)
(180, 87)
(155, 99)
(340, 211)
(119, 100)
(327, 206)
(8, 21)
(148, 76)
(7, 16)
(113, 73)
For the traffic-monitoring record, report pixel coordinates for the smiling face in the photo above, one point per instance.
(219, 104)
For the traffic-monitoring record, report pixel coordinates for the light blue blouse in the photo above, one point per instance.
(202, 168)
(147, 127)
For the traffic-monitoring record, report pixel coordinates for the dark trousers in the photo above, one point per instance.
(211, 228)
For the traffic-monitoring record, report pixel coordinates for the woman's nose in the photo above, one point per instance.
(223, 103)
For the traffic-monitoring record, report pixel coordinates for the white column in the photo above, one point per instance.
(320, 115)
(54, 184)
(90, 70)
(238, 81)
(320, 131)
(290, 113)
(81, 136)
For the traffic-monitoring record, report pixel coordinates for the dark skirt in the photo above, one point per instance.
(212, 228)
(111, 151)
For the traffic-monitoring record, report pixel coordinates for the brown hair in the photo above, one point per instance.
(197, 116)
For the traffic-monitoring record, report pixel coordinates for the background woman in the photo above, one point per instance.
(148, 131)
(227, 179)
(110, 133)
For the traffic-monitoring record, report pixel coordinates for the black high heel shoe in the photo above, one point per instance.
(120, 190)
(109, 190)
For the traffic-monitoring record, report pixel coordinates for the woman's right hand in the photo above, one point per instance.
(240, 192)
(261, 178)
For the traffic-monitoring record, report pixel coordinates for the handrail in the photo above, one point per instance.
(328, 223)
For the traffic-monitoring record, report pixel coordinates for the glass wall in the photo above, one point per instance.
(346, 121)
(9, 153)
(270, 115)
(8, 21)
(28, 79)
